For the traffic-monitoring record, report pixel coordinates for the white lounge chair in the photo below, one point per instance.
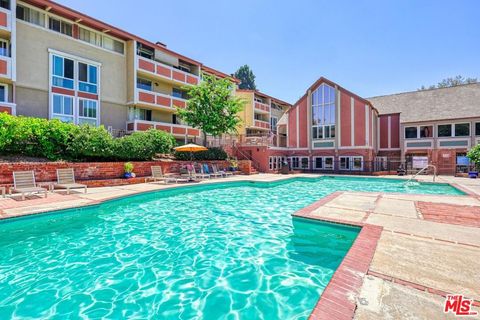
(24, 182)
(194, 175)
(66, 180)
(157, 175)
(206, 170)
(222, 172)
(216, 172)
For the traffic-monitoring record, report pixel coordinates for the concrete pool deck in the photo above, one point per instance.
(429, 245)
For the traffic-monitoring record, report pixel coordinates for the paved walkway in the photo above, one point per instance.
(430, 244)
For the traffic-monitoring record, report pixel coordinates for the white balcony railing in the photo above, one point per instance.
(175, 129)
(166, 72)
(160, 100)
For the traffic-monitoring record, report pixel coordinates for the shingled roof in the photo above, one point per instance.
(435, 104)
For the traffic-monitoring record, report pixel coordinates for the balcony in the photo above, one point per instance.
(262, 107)
(175, 129)
(5, 67)
(159, 100)
(261, 124)
(5, 20)
(166, 72)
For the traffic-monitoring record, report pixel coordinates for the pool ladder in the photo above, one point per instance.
(423, 169)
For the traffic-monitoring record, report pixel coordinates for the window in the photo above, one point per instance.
(351, 163)
(344, 163)
(5, 4)
(30, 15)
(299, 162)
(323, 163)
(410, 132)
(144, 84)
(273, 123)
(87, 78)
(323, 112)
(62, 69)
(426, 131)
(113, 45)
(275, 162)
(178, 93)
(145, 52)
(63, 108)
(3, 93)
(477, 129)
(462, 129)
(139, 114)
(444, 130)
(87, 112)
(4, 48)
(60, 26)
(91, 37)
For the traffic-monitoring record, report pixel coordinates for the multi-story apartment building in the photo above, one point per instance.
(260, 114)
(58, 63)
(332, 129)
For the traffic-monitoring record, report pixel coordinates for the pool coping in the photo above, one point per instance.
(338, 300)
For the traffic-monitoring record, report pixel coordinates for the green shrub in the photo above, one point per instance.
(56, 140)
(210, 154)
(90, 143)
(128, 167)
(143, 145)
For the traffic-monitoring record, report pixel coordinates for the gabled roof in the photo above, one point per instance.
(333, 84)
(435, 104)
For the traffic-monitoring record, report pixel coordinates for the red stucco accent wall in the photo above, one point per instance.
(395, 131)
(384, 131)
(359, 118)
(345, 120)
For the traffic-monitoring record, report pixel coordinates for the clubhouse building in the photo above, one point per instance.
(58, 63)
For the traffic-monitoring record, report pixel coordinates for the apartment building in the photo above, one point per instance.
(435, 127)
(260, 114)
(331, 129)
(56, 62)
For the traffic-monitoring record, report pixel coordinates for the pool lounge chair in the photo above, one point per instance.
(193, 175)
(66, 180)
(157, 175)
(206, 170)
(24, 182)
(222, 172)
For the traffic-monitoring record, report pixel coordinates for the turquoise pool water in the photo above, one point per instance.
(223, 251)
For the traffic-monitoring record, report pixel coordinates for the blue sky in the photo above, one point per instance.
(369, 47)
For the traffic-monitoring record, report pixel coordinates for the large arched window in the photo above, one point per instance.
(323, 112)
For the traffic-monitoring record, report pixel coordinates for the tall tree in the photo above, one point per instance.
(450, 82)
(247, 78)
(212, 107)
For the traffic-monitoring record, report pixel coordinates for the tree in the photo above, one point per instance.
(247, 78)
(212, 107)
(450, 82)
(474, 155)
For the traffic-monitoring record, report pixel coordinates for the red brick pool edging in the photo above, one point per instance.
(338, 300)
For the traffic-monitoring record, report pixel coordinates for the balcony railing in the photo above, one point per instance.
(166, 72)
(161, 100)
(261, 124)
(175, 129)
(262, 107)
(5, 67)
(5, 19)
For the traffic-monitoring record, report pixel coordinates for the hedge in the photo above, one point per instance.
(56, 140)
(210, 154)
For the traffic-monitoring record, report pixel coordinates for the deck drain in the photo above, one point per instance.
(363, 301)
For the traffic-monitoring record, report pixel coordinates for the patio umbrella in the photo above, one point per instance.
(191, 147)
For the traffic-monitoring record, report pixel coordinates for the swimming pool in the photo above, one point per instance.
(227, 250)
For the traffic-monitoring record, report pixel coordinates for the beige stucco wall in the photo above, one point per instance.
(131, 71)
(161, 116)
(247, 113)
(33, 61)
(113, 114)
(32, 102)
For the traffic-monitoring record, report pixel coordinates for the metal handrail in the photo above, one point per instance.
(423, 169)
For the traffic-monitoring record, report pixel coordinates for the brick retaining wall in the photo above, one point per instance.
(46, 171)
